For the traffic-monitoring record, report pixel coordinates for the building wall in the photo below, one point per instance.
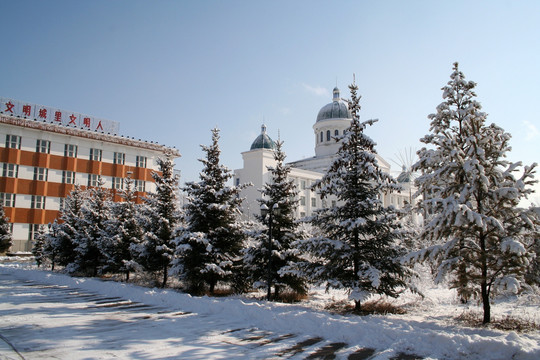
(41, 163)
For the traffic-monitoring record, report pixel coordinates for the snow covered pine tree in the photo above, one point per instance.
(358, 248)
(209, 247)
(156, 251)
(284, 257)
(5, 233)
(471, 198)
(125, 231)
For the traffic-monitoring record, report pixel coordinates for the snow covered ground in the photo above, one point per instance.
(428, 330)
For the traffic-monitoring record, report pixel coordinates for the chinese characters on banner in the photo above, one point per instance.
(57, 116)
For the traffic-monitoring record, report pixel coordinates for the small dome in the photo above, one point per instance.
(405, 176)
(337, 109)
(263, 141)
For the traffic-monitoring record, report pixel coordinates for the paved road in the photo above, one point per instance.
(39, 321)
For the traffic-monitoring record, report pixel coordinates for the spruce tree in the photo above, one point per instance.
(50, 249)
(471, 195)
(272, 264)
(92, 235)
(155, 253)
(5, 233)
(209, 247)
(38, 247)
(62, 242)
(125, 231)
(357, 247)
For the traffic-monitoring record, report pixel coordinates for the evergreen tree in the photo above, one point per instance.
(92, 235)
(61, 245)
(273, 263)
(156, 251)
(125, 231)
(38, 248)
(472, 195)
(357, 250)
(209, 247)
(50, 249)
(5, 233)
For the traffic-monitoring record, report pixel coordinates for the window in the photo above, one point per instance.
(327, 135)
(140, 161)
(7, 200)
(323, 204)
(237, 182)
(68, 177)
(38, 202)
(140, 185)
(95, 154)
(33, 231)
(303, 184)
(117, 183)
(302, 214)
(303, 200)
(13, 141)
(70, 150)
(10, 170)
(322, 137)
(43, 146)
(119, 158)
(41, 174)
(334, 203)
(336, 132)
(93, 179)
(313, 202)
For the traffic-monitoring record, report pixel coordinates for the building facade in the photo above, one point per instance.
(332, 120)
(41, 161)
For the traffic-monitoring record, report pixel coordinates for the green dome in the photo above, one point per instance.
(263, 141)
(337, 109)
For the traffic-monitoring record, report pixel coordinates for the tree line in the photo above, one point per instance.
(474, 231)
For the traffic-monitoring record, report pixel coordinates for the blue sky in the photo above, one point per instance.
(169, 71)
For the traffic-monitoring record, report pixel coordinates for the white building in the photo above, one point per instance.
(332, 120)
(47, 152)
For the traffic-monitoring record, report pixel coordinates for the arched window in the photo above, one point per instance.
(336, 132)
(322, 137)
(327, 135)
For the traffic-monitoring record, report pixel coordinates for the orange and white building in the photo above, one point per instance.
(44, 152)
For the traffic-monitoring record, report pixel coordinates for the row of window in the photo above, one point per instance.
(68, 177)
(329, 135)
(38, 201)
(70, 150)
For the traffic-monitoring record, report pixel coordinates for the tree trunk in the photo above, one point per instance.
(127, 276)
(357, 305)
(165, 274)
(485, 302)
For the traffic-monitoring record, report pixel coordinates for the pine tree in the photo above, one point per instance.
(156, 251)
(357, 250)
(92, 234)
(62, 242)
(472, 194)
(50, 249)
(209, 247)
(5, 233)
(125, 232)
(274, 263)
(38, 248)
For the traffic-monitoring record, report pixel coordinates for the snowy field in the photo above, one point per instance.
(428, 330)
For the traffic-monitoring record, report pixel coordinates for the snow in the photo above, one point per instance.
(428, 329)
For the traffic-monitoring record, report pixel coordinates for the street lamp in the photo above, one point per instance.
(265, 211)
